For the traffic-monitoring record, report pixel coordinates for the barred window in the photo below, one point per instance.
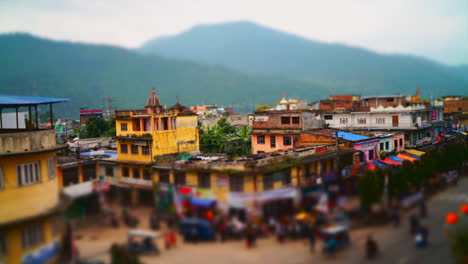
(295, 120)
(32, 235)
(125, 172)
(362, 120)
(28, 173)
(285, 120)
(123, 126)
(179, 177)
(261, 139)
(236, 183)
(204, 180)
(287, 141)
(164, 176)
(145, 150)
(134, 149)
(267, 182)
(136, 173)
(51, 167)
(123, 148)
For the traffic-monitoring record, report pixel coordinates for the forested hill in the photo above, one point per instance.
(87, 74)
(248, 47)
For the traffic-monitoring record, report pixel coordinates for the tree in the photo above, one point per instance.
(371, 185)
(96, 127)
(459, 244)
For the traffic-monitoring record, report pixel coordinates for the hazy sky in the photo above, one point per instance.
(437, 29)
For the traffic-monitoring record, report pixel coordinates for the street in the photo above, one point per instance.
(395, 243)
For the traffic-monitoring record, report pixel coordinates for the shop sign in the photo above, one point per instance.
(245, 197)
(42, 255)
(140, 143)
(260, 118)
(137, 181)
(321, 150)
(79, 190)
(222, 180)
(434, 115)
(367, 147)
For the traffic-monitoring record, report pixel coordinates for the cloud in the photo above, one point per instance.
(433, 28)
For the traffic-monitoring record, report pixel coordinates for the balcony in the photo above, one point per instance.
(26, 141)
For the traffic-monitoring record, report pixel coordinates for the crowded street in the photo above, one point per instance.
(395, 243)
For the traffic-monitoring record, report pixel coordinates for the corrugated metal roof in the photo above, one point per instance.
(17, 100)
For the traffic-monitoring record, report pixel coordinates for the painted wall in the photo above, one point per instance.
(398, 143)
(35, 198)
(266, 147)
(383, 143)
(16, 253)
(365, 147)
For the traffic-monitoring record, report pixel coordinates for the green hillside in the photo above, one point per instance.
(87, 74)
(248, 47)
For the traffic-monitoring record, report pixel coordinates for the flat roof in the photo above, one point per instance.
(382, 96)
(18, 100)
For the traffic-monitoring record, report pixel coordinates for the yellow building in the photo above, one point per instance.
(29, 192)
(145, 136)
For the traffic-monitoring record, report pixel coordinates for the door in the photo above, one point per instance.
(395, 121)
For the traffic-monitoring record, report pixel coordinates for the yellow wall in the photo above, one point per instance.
(33, 199)
(13, 234)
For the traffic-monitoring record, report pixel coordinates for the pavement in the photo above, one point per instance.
(395, 243)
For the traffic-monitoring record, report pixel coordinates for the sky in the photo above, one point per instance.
(435, 29)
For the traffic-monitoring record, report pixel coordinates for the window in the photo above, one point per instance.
(236, 183)
(260, 139)
(1, 178)
(343, 120)
(3, 245)
(145, 150)
(380, 120)
(371, 154)
(123, 126)
(381, 146)
(136, 173)
(134, 149)
(204, 180)
(123, 148)
(179, 177)
(125, 172)
(287, 177)
(147, 174)
(287, 140)
(390, 99)
(70, 176)
(295, 120)
(285, 120)
(328, 117)
(56, 226)
(361, 120)
(136, 124)
(267, 182)
(109, 171)
(32, 235)
(395, 144)
(387, 145)
(51, 167)
(273, 141)
(164, 176)
(28, 173)
(401, 142)
(89, 172)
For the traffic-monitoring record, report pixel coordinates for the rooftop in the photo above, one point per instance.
(17, 100)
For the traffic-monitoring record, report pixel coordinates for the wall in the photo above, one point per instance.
(16, 253)
(19, 142)
(383, 141)
(363, 148)
(35, 198)
(399, 148)
(267, 146)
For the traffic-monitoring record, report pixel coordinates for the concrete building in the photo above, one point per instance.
(30, 229)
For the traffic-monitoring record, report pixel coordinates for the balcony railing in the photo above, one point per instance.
(27, 141)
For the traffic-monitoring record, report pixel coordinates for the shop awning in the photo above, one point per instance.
(403, 156)
(415, 152)
(380, 163)
(202, 202)
(389, 161)
(396, 158)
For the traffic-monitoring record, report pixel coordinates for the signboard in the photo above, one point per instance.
(434, 115)
(367, 147)
(137, 181)
(260, 118)
(222, 180)
(245, 197)
(321, 150)
(79, 190)
(140, 143)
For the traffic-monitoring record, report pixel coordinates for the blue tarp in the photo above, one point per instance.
(396, 158)
(380, 163)
(28, 100)
(350, 136)
(202, 202)
(458, 131)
